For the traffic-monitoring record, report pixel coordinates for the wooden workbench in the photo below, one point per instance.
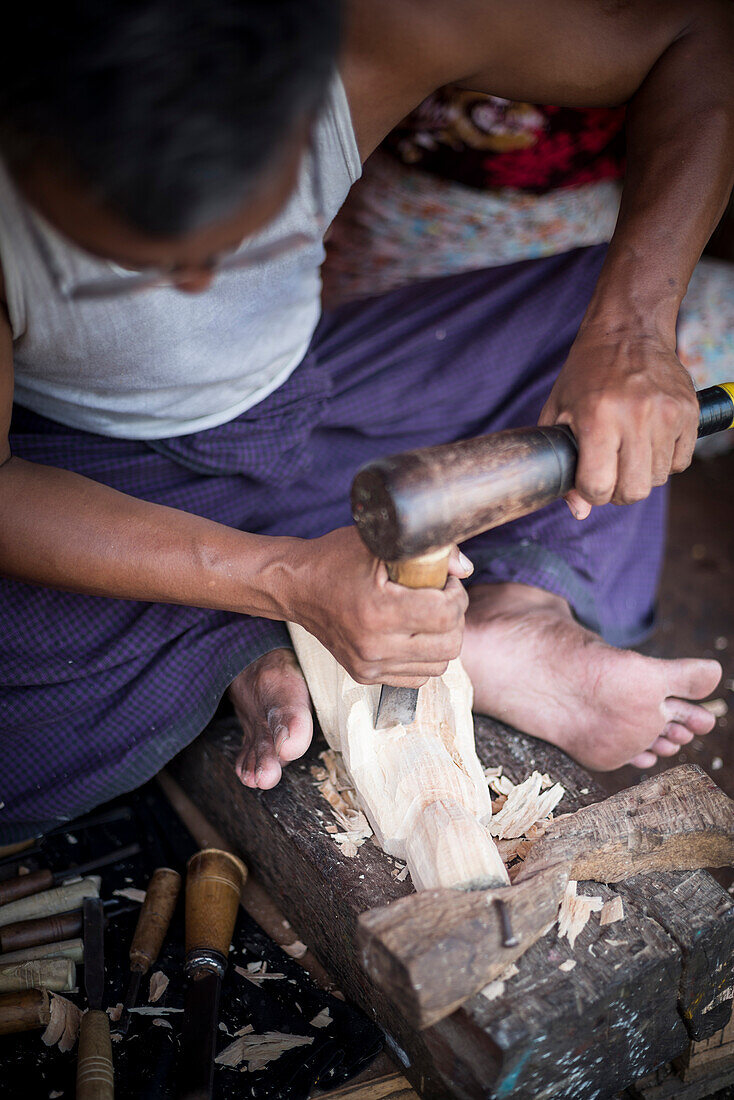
(640, 990)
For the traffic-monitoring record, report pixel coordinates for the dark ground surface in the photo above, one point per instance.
(696, 612)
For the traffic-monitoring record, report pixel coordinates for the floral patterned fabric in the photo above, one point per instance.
(485, 142)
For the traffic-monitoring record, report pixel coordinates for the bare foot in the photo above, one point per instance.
(271, 701)
(535, 668)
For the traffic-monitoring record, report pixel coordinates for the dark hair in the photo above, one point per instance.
(168, 109)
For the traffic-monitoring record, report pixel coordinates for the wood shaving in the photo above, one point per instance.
(63, 1025)
(322, 1020)
(494, 990)
(159, 1022)
(509, 972)
(497, 782)
(296, 950)
(402, 875)
(335, 787)
(525, 807)
(55, 1094)
(575, 911)
(517, 848)
(158, 1011)
(259, 1050)
(116, 1012)
(612, 911)
(157, 986)
(23, 870)
(718, 707)
(258, 978)
(568, 965)
(131, 893)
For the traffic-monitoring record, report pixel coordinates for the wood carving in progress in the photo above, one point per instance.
(421, 786)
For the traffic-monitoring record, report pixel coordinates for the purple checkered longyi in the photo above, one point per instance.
(97, 694)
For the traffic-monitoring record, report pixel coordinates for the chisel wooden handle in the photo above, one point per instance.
(94, 1074)
(24, 1011)
(58, 900)
(24, 885)
(214, 881)
(155, 917)
(57, 975)
(414, 503)
(28, 933)
(65, 949)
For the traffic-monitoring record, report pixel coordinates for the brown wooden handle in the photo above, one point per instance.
(214, 881)
(24, 1011)
(94, 1073)
(57, 975)
(64, 949)
(416, 502)
(426, 571)
(155, 917)
(58, 900)
(28, 933)
(25, 885)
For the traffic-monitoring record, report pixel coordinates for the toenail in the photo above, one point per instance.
(258, 773)
(281, 736)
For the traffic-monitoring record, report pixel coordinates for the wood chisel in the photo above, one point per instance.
(24, 1011)
(411, 508)
(45, 904)
(56, 975)
(214, 881)
(94, 1074)
(150, 932)
(23, 886)
(59, 926)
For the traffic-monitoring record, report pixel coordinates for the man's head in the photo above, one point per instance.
(165, 117)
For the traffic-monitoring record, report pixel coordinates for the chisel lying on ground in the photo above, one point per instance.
(411, 508)
(94, 1074)
(36, 882)
(430, 951)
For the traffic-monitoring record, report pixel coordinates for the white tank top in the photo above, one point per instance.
(159, 362)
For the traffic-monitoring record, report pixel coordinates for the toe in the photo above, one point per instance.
(692, 678)
(664, 747)
(678, 734)
(644, 760)
(292, 731)
(696, 719)
(268, 772)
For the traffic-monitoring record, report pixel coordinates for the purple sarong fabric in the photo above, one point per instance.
(97, 694)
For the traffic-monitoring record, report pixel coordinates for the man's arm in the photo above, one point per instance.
(624, 392)
(69, 532)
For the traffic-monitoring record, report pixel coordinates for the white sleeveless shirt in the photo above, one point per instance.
(159, 362)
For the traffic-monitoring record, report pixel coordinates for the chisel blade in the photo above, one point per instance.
(93, 911)
(201, 1009)
(396, 707)
(123, 1024)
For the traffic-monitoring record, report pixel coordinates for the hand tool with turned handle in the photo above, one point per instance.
(150, 931)
(412, 507)
(59, 926)
(214, 881)
(58, 900)
(56, 975)
(23, 886)
(24, 1011)
(94, 1074)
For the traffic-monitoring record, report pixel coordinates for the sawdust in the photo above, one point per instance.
(257, 973)
(526, 807)
(157, 986)
(296, 950)
(575, 911)
(131, 893)
(335, 787)
(115, 1012)
(63, 1025)
(612, 911)
(259, 1050)
(322, 1020)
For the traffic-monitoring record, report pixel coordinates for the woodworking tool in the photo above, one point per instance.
(214, 881)
(64, 949)
(24, 1011)
(58, 900)
(432, 950)
(19, 853)
(23, 886)
(150, 932)
(56, 975)
(411, 508)
(94, 1073)
(59, 926)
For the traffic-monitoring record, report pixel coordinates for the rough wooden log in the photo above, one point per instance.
(421, 786)
(579, 1035)
(679, 820)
